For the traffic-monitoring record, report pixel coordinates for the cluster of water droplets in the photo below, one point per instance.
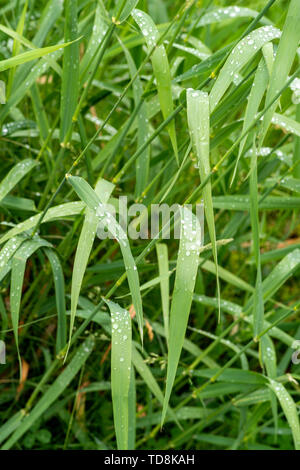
(221, 14)
(147, 27)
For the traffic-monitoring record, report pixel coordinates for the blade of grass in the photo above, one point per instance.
(70, 76)
(15, 175)
(59, 283)
(191, 239)
(163, 269)
(161, 70)
(198, 122)
(241, 54)
(120, 370)
(86, 193)
(285, 55)
(103, 190)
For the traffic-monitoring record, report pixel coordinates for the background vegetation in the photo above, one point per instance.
(110, 108)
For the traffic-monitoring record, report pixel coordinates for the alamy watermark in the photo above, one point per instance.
(138, 221)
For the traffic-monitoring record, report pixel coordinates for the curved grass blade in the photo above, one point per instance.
(161, 70)
(242, 53)
(103, 190)
(220, 14)
(17, 276)
(286, 123)
(191, 239)
(15, 175)
(53, 392)
(61, 211)
(290, 410)
(29, 55)
(88, 195)
(120, 370)
(198, 122)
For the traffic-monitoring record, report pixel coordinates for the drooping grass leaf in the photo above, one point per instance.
(88, 195)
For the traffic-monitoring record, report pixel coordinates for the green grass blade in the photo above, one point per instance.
(161, 70)
(100, 28)
(132, 411)
(15, 175)
(86, 193)
(163, 269)
(191, 238)
(285, 56)
(120, 370)
(16, 46)
(59, 283)
(17, 277)
(143, 161)
(242, 53)
(290, 410)
(29, 55)
(70, 77)
(258, 306)
(258, 89)
(198, 122)
(103, 190)
(124, 10)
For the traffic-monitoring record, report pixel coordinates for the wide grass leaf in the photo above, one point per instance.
(120, 370)
(290, 410)
(191, 239)
(199, 126)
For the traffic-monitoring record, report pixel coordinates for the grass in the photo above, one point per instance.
(127, 343)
